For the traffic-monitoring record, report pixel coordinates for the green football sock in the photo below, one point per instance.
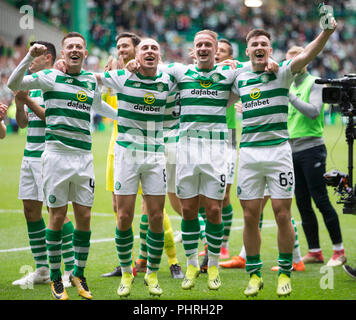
(124, 242)
(214, 237)
(54, 252)
(253, 265)
(285, 263)
(155, 244)
(37, 237)
(190, 236)
(67, 246)
(81, 243)
(227, 213)
(202, 234)
(202, 213)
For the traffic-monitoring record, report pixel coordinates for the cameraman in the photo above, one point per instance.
(305, 126)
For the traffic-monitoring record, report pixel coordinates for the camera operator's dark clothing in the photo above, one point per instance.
(309, 168)
(309, 159)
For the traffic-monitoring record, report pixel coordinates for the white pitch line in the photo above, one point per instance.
(112, 240)
(266, 224)
(109, 214)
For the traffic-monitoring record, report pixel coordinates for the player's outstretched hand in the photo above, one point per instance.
(37, 50)
(108, 64)
(229, 62)
(333, 25)
(132, 66)
(60, 65)
(3, 111)
(114, 64)
(272, 66)
(21, 97)
(120, 64)
(327, 20)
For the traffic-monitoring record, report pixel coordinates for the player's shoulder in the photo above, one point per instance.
(176, 65)
(285, 64)
(285, 68)
(44, 73)
(225, 68)
(165, 77)
(86, 74)
(227, 71)
(117, 73)
(35, 93)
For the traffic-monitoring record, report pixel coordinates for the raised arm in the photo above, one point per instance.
(312, 49)
(18, 80)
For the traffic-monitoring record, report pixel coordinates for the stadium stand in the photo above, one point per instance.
(174, 23)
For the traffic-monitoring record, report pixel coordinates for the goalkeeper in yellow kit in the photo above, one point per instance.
(126, 45)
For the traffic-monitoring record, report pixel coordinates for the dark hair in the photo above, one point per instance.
(51, 49)
(231, 50)
(256, 33)
(74, 34)
(134, 38)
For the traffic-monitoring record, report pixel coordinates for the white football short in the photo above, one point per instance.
(128, 174)
(30, 185)
(201, 168)
(261, 166)
(68, 177)
(205, 179)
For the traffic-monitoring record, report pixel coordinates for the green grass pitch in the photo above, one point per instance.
(316, 283)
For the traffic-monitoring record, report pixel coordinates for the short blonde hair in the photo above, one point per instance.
(211, 33)
(295, 50)
(148, 39)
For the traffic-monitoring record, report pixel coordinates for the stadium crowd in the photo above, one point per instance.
(175, 21)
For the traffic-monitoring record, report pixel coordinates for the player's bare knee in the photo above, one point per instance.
(283, 218)
(32, 214)
(156, 220)
(213, 214)
(189, 213)
(123, 219)
(251, 221)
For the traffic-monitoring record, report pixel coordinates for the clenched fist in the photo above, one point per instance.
(37, 50)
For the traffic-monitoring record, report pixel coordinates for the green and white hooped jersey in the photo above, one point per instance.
(142, 101)
(68, 100)
(264, 99)
(204, 96)
(35, 143)
(171, 118)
